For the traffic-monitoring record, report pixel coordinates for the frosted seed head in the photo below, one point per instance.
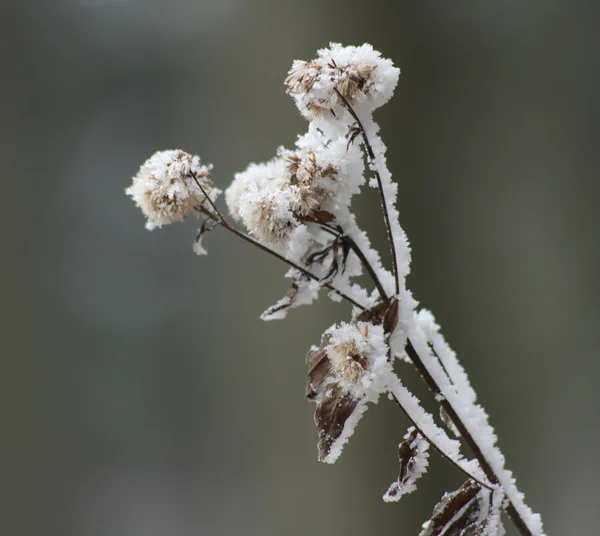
(165, 187)
(351, 74)
(347, 361)
(267, 215)
(310, 183)
(256, 177)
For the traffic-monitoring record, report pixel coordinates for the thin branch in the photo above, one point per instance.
(439, 450)
(223, 222)
(361, 256)
(386, 215)
(292, 264)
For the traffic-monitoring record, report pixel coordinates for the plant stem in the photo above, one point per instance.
(386, 215)
(352, 244)
(439, 450)
(361, 256)
(512, 512)
(304, 271)
(220, 219)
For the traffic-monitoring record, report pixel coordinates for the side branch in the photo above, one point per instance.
(218, 218)
(338, 232)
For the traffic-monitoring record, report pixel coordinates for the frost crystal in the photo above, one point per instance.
(165, 190)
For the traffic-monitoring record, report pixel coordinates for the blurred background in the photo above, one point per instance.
(141, 395)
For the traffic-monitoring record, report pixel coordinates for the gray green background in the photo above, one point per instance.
(140, 395)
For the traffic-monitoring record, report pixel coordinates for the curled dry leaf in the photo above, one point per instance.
(319, 368)
(382, 314)
(279, 310)
(476, 529)
(456, 512)
(331, 414)
(413, 456)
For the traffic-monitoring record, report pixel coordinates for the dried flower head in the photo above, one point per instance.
(165, 187)
(255, 176)
(356, 74)
(310, 184)
(347, 371)
(267, 214)
(347, 360)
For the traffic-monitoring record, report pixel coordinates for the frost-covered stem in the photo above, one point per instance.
(386, 215)
(363, 259)
(223, 222)
(512, 512)
(437, 448)
(292, 264)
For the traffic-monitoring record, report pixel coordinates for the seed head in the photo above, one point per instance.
(165, 187)
(338, 74)
(267, 214)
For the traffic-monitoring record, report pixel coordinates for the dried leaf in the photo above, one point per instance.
(475, 529)
(319, 368)
(322, 216)
(455, 512)
(332, 412)
(207, 225)
(390, 317)
(413, 457)
(448, 421)
(279, 310)
(373, 315)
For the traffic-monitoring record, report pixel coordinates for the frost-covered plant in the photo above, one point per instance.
(297, 207)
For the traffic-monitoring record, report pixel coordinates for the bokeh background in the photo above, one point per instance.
(140, 393)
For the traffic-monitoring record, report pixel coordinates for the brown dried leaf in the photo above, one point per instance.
(332, 412)
(475, 529)
(373, 315)
(456, 511)
(322, 216)
(413, 458)
(406, 454)
(319, 368)
(390, 317)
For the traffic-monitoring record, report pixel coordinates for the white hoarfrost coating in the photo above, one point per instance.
(298, 206)
(358, 357)
(165, 190)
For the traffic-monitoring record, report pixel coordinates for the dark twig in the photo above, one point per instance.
(220, 219)
(361, 256)
(511, 510)
(465, 434)
(439, 450)
(386, 215)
